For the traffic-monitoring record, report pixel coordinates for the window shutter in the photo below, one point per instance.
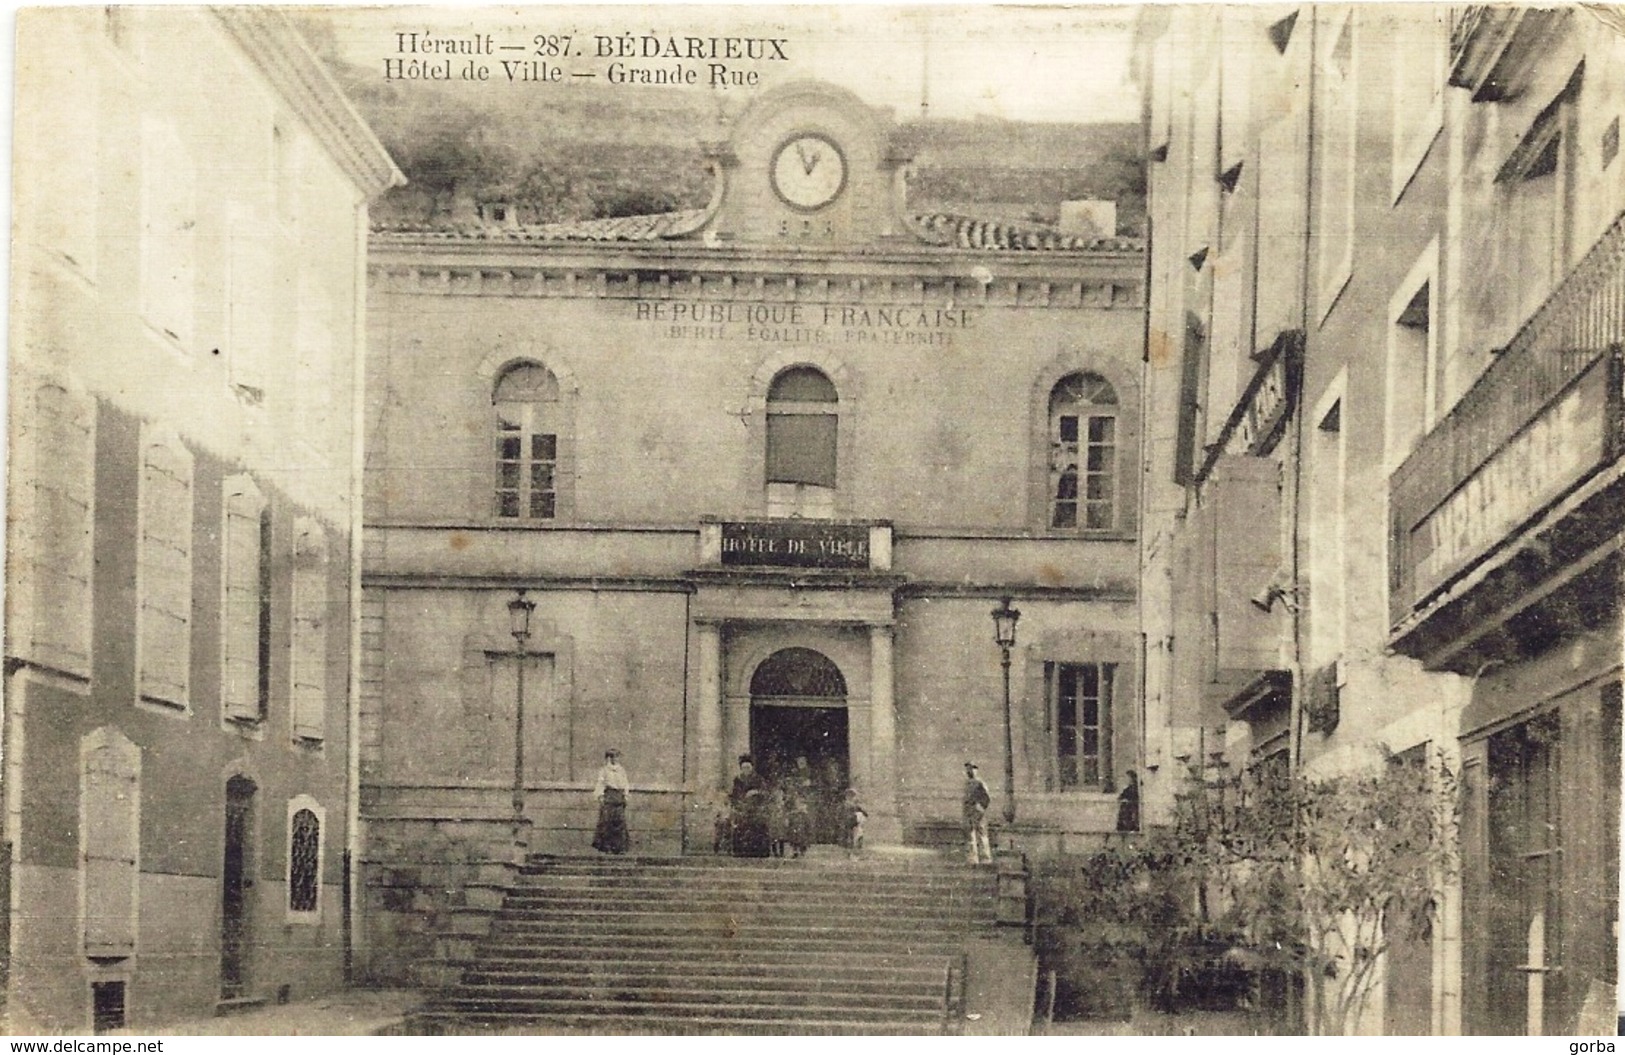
(310, 631)
(110, 841)
(801, 449)
(166, 570)
(1193, 363)
(242, 599)
(54, 529)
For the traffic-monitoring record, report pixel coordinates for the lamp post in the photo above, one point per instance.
(519, 610)
(1004, 634)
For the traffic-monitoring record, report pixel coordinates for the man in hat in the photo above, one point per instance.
(977, 800)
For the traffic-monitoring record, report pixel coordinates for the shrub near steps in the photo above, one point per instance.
(718, 945)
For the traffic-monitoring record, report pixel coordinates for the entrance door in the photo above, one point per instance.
(236, 888)
(798, 710)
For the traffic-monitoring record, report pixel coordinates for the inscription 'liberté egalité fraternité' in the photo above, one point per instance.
(903, 324)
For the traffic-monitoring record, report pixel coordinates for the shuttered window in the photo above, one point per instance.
(247, 590)
(52, 528)
(109, 841)
(803, 423)
(165, 568)
(309, 630)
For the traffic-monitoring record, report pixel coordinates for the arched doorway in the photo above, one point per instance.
(237, 889)
(798, 710)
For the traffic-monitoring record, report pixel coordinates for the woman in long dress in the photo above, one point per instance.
(748, 801)
(611, 836)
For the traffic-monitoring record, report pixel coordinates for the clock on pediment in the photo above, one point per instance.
(808, 164)
(808, 171)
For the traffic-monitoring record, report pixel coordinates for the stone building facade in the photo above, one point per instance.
(1383, 487)
(764, 469)
(183, 498)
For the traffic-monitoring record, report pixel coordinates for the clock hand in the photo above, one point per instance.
(807, 163)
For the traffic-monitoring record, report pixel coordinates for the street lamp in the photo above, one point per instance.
(519, 610)
(1004, 634)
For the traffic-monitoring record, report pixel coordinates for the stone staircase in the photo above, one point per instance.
(820, 945)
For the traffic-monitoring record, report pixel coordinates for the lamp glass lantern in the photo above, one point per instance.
(519, 610)
(1004, 624)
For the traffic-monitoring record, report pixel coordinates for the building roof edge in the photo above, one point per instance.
(272, 42)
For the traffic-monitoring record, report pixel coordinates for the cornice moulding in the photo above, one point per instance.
(276, 47)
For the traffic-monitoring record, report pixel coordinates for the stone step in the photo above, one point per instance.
(720, 882)
(819, 857)
(712, 921)
(675, 945)
(832, 896)
(857, 915)
(742, 1007)
(722, 945)
(919, 998)
(586, 957)
(700, 900)
(841, 866)
(732, 916)
(807, 976)
(608, 1024)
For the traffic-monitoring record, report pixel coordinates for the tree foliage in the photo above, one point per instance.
(1320, 874)
(1262, 878)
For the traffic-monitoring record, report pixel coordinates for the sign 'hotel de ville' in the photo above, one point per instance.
(799, 520)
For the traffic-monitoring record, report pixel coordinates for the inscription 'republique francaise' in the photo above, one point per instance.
(908, 324)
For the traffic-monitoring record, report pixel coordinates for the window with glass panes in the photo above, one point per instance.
(526, 399)
(1081, 701)
(304, 861)
(1083, 454)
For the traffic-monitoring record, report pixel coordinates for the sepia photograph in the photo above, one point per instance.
(932, 520)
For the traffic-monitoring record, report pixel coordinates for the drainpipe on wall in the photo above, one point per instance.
(1293, 469)
(352, 733)
(1293, 476)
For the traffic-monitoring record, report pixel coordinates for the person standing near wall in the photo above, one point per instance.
(1128, 804)
(976, 802)
(611, 790)
(749, 805)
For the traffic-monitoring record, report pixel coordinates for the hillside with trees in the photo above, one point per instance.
(587, 150)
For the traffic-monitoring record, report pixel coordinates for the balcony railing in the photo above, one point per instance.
(1581, 324)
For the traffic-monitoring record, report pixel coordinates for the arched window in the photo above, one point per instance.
(1083, 454)
(526, 399)
(803, 415)
(304, 860)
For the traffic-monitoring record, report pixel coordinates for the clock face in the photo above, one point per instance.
(808, 172)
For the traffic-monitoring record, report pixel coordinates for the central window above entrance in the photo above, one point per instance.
(803, 416)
